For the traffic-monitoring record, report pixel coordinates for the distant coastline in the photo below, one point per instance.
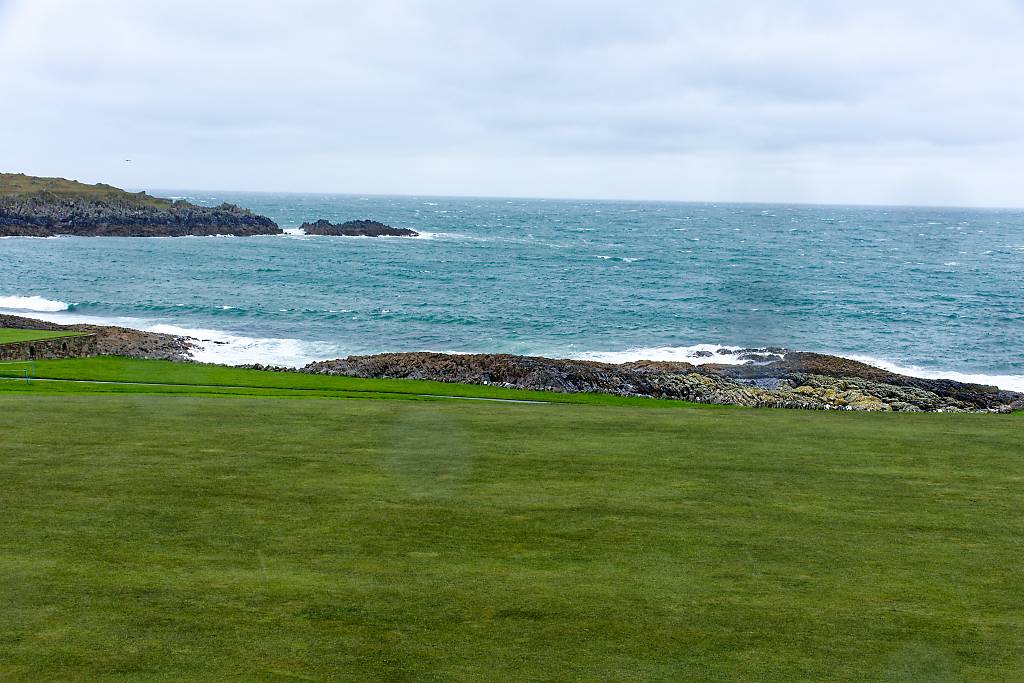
(31, 206)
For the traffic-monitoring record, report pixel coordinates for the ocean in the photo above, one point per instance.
(934, 292)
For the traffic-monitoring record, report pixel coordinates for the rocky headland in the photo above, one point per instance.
(360, 228)
(46, 207)
(117, 341)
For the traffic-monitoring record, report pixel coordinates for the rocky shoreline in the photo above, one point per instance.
(793, 380)
(773, 378)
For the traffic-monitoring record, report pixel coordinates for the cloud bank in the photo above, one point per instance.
(867, 102)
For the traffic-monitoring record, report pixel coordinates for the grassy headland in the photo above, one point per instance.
(43, 207)
(23, 186)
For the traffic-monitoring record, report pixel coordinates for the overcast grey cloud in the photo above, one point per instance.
(868, 102)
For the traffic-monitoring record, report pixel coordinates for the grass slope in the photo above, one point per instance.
(9, 335)
(183, 538)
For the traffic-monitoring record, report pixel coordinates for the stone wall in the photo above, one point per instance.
(59, 347)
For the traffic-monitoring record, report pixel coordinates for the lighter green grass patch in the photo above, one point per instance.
(10, 335)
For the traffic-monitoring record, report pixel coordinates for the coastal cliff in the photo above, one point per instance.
(46, 207)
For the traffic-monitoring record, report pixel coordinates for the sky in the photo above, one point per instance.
(866, 102)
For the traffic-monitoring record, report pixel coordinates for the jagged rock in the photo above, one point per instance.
(47, 217)
(45, 207)
(360, 228)
(796, 363)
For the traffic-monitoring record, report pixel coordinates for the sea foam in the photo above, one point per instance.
(212, 346)
(217, 346)
(31, 303)
(1008, 382)
(698, 354)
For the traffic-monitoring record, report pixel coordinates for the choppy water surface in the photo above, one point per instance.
(939, 290)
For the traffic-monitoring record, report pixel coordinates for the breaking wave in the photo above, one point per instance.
(32, 303)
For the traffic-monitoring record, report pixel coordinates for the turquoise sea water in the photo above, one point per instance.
(935, 290)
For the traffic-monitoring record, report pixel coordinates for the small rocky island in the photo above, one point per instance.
(46, 207)
(361, 228)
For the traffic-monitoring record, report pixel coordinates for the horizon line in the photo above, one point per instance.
(866, 205)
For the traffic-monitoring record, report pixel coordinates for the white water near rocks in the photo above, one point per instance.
(30, 304)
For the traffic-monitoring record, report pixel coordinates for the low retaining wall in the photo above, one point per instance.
(58, 347)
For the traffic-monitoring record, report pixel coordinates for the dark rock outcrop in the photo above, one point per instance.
(45, 207)
(795, 365)
(116, 341)
(47, 216)
(360, 228)
(530, 372)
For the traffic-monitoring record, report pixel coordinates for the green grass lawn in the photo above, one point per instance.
(10, 334)
(160, 537)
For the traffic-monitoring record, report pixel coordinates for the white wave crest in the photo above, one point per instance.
(32, 303)
(213, 346)
(1008, 382)
(425, 235)
(701, 354)
(698, 354)
(216, 346)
